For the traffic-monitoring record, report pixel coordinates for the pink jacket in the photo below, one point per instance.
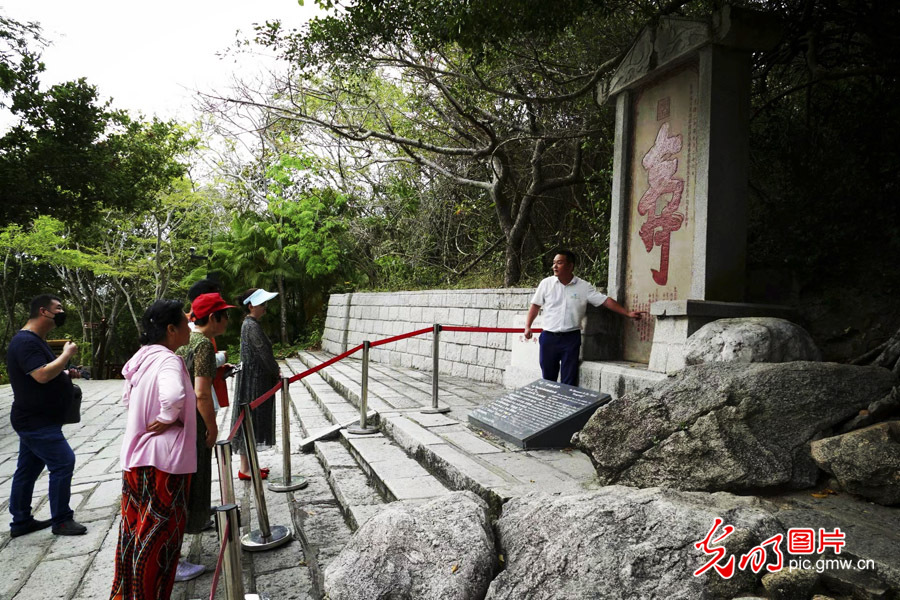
(158, 387)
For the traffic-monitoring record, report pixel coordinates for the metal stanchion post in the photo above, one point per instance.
(266, 537)
(287, 483)
(435, 364)
(227, 518)
(223, 459)
(362, 428)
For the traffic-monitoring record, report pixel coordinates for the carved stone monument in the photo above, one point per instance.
(679, 196)
(679, 205)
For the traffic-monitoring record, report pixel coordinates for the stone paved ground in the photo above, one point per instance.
(46, 567)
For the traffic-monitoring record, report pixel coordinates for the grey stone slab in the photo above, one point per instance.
(464, 472)
(394, 468)
(55, 579)
(360, 513)
(287, 584)
(415, 487)
(334, 455)
(16, 563)
(106, 494)
(410, 435)
(427, 420)
(77, 545)
(98, 580)
(352, 488)
(470, 442)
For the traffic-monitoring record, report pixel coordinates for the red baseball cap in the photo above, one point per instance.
(206, 304)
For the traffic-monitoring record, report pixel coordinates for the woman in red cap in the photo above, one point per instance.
(209, 313)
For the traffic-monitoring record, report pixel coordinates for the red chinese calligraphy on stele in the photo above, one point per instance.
(661, 166)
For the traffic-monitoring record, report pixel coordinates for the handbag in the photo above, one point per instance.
(73, 411)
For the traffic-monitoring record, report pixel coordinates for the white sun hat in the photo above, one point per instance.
(260, 296)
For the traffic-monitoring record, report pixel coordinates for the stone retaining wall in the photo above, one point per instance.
(353, 318)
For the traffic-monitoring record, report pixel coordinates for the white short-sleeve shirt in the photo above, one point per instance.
(564, 305)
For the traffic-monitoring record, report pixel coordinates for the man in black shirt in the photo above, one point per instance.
(42, 390)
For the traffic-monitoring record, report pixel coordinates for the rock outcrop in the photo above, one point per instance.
(620, 543)
(750, 340)
(442, 549)
(728, 426)
(865, 462)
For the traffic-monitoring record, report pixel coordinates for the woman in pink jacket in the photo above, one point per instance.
(159, 454)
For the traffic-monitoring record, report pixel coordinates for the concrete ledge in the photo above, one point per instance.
(718, 310)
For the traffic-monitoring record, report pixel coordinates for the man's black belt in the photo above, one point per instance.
(562, 333)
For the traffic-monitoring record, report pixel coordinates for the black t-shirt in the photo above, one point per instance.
(35, 405)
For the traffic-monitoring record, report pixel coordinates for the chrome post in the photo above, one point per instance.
(266, 537)
(435, 375)
(363, 428)
(286, 483)
(223, 460)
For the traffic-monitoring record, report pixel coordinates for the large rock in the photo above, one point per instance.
(621, 543)
(727, 426)
(865, 462)
(442, 549)
(750, 340)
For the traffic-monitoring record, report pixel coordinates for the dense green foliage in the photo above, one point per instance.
(426, 143)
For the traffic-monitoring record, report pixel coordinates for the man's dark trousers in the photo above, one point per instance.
(559, 355)
(37, 448)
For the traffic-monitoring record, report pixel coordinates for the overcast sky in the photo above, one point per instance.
(150, 57)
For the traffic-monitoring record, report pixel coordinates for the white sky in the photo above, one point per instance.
(150, 57)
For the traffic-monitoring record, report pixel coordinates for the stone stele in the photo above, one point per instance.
(865, 461)
(748, 340)
(442, 549)
(728, 426)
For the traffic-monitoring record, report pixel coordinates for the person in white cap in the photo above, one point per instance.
(258, 374)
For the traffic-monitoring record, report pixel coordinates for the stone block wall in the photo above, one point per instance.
(353, 318)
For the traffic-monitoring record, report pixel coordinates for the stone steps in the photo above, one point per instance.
(441, 445)
(362, 471)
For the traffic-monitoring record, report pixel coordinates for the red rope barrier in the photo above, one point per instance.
(255, 404)
(324, 364)
(331, 361)
(487, 329)
(237, 425)
(402, 336)
(215, 581)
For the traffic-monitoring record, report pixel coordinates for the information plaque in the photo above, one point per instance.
(543, 414)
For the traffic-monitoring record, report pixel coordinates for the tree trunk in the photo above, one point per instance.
(284, 308)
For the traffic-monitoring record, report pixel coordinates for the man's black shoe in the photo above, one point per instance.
(69, 527)
(34, 525)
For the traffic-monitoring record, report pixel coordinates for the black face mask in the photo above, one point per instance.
(59, 319)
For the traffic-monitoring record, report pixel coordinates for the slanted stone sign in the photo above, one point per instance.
(543, 414)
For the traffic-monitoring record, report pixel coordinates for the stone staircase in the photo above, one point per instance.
(417, 456)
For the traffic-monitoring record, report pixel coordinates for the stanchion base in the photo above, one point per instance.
(296, 482)
(357, 430)
(255, 542)
(440, 410)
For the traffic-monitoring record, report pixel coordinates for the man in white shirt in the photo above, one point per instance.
(564, 299)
